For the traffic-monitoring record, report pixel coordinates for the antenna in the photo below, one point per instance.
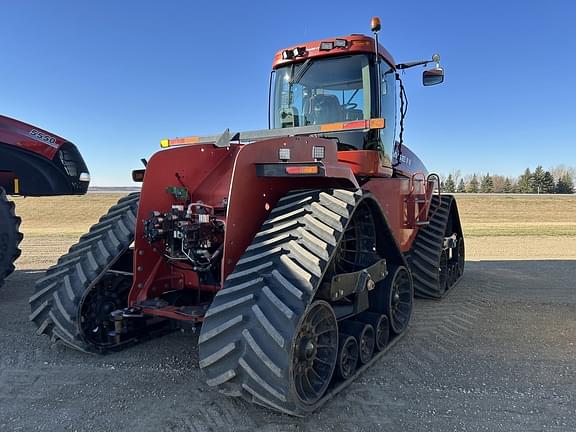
(376, 26)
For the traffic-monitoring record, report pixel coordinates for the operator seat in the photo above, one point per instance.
(325, 109)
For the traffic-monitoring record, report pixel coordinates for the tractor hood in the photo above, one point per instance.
(34, 162)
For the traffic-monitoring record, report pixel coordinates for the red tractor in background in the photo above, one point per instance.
(33, 162)
(298, 249)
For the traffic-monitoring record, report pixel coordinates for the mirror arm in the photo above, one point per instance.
(413, 64)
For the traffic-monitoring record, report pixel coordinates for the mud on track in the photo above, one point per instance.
(497, 354)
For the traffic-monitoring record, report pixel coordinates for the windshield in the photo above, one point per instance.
(322, 91)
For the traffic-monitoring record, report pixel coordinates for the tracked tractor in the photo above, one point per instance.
(296, 250)
(33, 162)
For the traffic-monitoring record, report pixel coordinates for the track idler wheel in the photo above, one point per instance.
(381, 326)
(399, 299)
(460, 255)
(108, 295)
(315, 352)
(364, 334)
(348, 355)
(444, 271)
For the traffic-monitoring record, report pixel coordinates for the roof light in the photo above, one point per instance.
(318, 152)
(302, 169)
(287, 54)
(284, 154)
(340, 43)
(326, 46)
(299, 51)
(377, 123)
(375, 24)
(165, 143)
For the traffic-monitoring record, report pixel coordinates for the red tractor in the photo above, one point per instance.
(297, 249)
(33, 162)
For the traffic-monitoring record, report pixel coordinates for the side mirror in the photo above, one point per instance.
(432, 77)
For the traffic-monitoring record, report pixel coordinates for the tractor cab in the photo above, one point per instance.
(334, 81)
(341, 80)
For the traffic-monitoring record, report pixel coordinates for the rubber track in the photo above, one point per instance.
(56, 302)
(10, 237)
(246, 338)
(424, 257)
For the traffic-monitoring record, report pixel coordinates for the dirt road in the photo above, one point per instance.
(498, 354)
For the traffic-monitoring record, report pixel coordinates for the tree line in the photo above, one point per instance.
(558, 180)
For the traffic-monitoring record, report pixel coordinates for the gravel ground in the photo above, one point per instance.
(497, 354)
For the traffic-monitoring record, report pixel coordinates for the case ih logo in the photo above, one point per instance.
(43, 137)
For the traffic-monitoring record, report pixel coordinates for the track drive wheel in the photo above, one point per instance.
(10, 237)
(73, 301)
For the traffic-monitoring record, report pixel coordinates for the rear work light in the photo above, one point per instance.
(318, 152)
(284, 154)
(302, 170)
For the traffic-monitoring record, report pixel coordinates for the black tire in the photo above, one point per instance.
(431, 270)
(59, 306)
(348, 353)
(10, 237)
(247, 338)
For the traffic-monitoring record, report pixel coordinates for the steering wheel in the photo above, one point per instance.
(350, 105)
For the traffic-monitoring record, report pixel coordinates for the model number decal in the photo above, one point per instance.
(42, 136)
(403, 159)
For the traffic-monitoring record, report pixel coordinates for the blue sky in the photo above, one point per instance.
(115, 77)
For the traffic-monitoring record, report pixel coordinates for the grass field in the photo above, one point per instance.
(496, 227)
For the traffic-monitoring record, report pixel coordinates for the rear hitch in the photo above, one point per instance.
(131, 324)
